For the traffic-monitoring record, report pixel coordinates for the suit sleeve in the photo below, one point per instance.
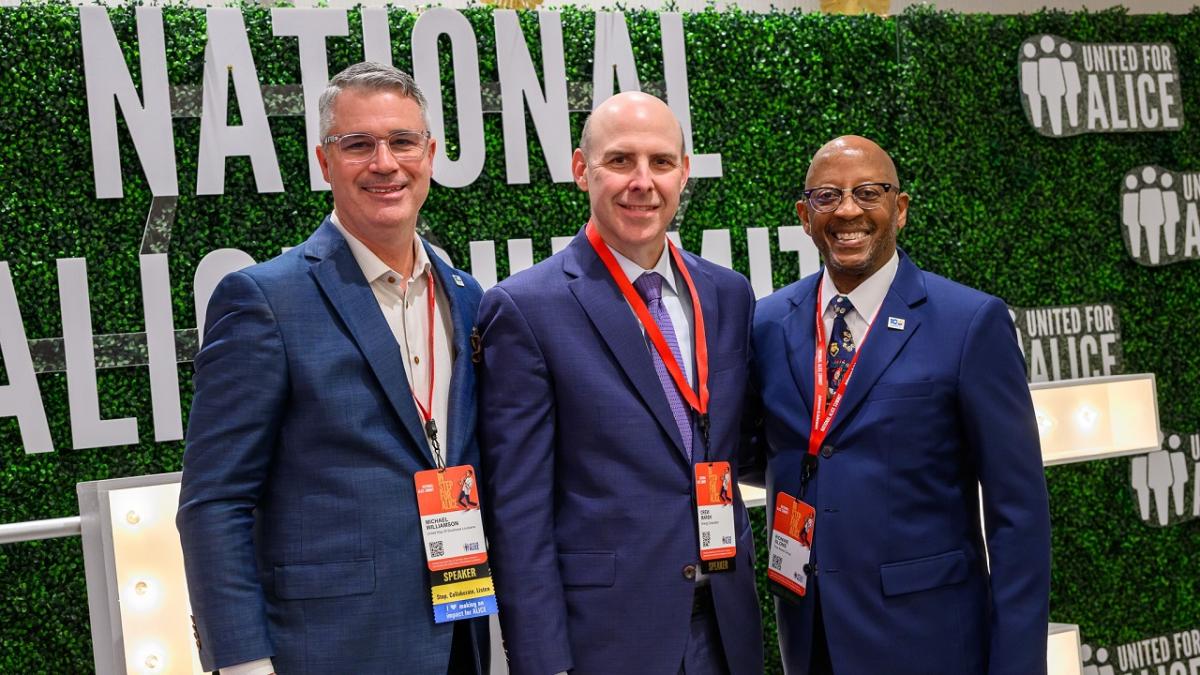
(240, 392)
(752, 455)
(1002, 435)
(517, 447)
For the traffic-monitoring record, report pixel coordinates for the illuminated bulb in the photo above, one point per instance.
(141, 588)
(1045, 423)
(151, 658)
(143, 594)
(133, 518)
(1086, 417)
(152, 662)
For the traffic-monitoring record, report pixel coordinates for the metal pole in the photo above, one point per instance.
(39, 529)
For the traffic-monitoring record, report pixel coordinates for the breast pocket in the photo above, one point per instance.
(897, 390)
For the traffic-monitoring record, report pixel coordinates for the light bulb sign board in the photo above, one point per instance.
(1071, 88)
(137, 592)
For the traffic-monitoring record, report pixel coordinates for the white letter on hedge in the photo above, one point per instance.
(109, 82)
(228, 52)
(612, 49)
(519, 83)
(377, 37)
(427, 72)
(160, 347)
(311, 26)
(20, 398)
(675, 71)
(87, 429)
(212, 268)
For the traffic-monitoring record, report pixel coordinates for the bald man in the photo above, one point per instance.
(918, 403)
(611, 386)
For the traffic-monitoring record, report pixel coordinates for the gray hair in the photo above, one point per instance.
(368, 76)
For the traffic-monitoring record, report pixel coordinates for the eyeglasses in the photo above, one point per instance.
(361, 147)
(827, 199)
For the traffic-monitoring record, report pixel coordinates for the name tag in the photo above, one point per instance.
(460, 579)
(715, 517)
(791, 546)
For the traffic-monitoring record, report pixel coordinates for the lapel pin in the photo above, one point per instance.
(895, 323)
(457, 280)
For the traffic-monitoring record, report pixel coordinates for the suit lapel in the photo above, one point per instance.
(883, 344)
(602, 301)
(341, 279)
(461, 399)
(801, 340)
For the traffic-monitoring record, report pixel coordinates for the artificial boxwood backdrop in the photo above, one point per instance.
(1034, 220)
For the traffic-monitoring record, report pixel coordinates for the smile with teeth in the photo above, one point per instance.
(640, 207)
(383, 189)
(849, 236)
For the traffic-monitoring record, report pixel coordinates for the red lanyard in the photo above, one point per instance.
(824, 411)
(427, 410)
(698, 402)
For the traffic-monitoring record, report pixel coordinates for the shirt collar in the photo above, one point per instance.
(372, 267)
(633, 270)
(868, 297)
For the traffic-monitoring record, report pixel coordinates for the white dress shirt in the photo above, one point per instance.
(867, 299)
(403, 303)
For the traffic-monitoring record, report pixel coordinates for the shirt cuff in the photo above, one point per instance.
(259, 667)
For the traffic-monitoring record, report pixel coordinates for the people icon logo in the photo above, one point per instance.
(1159, 480)
(1070, 88)
(1159, 217)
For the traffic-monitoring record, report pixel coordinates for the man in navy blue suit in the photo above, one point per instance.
(611, 388)
(327, 378)
(926, 388)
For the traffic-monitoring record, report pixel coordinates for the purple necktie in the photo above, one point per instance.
(649, 286)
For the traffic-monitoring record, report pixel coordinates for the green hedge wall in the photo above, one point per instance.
(1031, 219)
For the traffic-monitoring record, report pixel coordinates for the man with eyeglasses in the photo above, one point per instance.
(328, 377)
(889, 398)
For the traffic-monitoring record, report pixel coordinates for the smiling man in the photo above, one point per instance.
(611, 388)
(328, 377)
(890, 397)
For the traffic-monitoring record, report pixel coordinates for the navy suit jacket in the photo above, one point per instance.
(587, 484)
(934, 411)
(297, 513)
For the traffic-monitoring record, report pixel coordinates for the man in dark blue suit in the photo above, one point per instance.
(931, 408)
(610, 372)
(319, 373)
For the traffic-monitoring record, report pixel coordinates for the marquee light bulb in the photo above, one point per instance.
(132, 517)
(151, 659)
(1086, 417)
(1045, 423)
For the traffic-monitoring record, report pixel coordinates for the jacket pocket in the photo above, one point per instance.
(900, 390)
(922, 574)
(587, 569)
(303, 581)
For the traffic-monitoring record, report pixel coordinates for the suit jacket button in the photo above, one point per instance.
(809, 569)
(827, 451)
(689, 572)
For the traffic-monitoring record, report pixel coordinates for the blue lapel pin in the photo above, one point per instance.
(895, 323)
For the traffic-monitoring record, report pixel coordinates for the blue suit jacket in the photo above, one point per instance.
(587, 483)
(932, 412)
(297, 513)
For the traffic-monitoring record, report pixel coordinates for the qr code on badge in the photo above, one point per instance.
(777, 562)
(471, 546)
(705, 539)
(727, 540)
(437, 549)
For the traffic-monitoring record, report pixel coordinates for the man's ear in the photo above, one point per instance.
(802, 211)
(579, 169)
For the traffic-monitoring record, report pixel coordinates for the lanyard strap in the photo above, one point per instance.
(698, 400)
(825, 410)
(426, 410)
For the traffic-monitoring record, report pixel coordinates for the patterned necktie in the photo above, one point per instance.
(649, 286)
(841, 344)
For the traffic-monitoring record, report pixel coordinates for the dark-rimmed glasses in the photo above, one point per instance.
(827, 199)
(361, 146)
